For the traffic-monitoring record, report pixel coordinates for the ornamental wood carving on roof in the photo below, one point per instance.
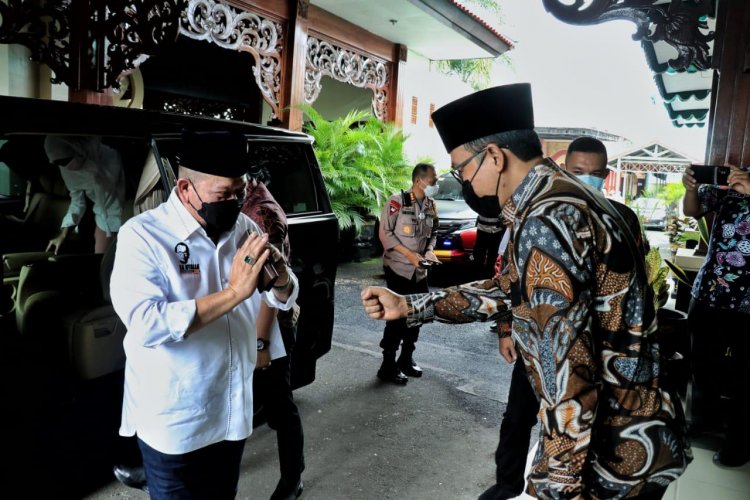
(230, 28)
(680, 23)
(43, 29)
(90, 44)
(347, 66)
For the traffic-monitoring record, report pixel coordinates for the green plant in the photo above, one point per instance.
(657, 277)
(362, 161)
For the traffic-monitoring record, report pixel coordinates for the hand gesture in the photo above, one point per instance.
(507, 349)
(739, 180)
(55, 243)
(247, 264)
(381, 303)
(430, 255)
(263, 361)
(689, 181)
(415, 259)
(279, 263)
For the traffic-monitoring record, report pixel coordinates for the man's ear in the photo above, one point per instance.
(497, 157)
(182, 188)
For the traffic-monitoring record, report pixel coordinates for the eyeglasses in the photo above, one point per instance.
(456, 169)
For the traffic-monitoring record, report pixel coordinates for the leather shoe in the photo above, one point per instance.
(134, 477)
(498, 492)
(287, 490)
(392, 374)
(732, 457)
(410, 368)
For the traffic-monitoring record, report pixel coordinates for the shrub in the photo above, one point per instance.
(362, 161)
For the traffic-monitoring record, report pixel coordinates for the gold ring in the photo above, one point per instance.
(249, 259)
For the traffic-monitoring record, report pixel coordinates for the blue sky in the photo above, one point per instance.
(589, 76)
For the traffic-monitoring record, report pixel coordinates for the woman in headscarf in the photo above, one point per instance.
(90, 170)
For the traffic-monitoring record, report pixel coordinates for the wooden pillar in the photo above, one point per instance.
(293, 81)
(729, 133)
(396, 88)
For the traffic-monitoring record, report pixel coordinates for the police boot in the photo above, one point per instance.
(389, 371)
(406, 362)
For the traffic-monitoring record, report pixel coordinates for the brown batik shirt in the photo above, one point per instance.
(584, 323)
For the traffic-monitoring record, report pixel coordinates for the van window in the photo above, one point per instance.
(284, 167)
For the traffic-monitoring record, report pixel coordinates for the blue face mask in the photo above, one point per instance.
(592, 180)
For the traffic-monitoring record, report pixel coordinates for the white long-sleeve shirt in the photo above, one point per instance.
(184, 393)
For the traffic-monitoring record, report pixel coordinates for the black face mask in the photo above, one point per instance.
(220, 216)
(486, 206)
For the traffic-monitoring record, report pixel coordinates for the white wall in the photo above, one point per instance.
(21, 77)
(337, 99)
(420, 79)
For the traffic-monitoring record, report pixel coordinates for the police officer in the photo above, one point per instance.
(407, 231)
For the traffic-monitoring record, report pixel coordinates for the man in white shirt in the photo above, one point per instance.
(184, 283)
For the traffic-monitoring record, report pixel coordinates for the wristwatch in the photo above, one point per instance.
(263, 344)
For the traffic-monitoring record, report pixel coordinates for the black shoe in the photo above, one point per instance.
(392, 374)
(493, 327)
(287, 490)
(732, 457)
(409, 368)
(497, 492)
(701, 427)
(134, 477)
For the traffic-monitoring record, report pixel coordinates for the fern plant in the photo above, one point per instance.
(362, 161)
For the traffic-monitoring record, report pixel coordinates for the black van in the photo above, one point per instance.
(62, 357)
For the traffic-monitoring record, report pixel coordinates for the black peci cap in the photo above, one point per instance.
(484, 113)
(223, 154)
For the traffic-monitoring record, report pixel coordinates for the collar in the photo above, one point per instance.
(533, 184)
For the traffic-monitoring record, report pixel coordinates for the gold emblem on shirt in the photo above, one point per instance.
(407, 229)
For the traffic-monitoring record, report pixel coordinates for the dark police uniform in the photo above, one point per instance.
(409, 222)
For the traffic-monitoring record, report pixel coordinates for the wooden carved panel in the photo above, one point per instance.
(245, 31)
(680, 23)
(347, 66)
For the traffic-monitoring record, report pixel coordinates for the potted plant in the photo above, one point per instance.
(363, 163)
(674, 338)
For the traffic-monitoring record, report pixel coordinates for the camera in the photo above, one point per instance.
(711, 174)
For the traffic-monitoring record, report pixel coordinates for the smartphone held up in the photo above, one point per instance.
(711, 174)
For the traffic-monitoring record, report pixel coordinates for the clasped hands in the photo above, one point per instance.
(248, 263)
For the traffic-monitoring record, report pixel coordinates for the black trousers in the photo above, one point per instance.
(274, 392)
(396, 332)
(720, 350)
(515, 432)
(485, 254)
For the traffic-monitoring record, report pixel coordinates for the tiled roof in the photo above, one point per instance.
(484, 23)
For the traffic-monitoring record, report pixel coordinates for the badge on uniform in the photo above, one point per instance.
(393, 207)
(407, 229)
(183, 255)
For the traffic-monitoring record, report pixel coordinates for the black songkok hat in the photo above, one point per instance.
(487, 112)
(223, 154)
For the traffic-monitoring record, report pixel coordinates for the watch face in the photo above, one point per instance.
(261, 344)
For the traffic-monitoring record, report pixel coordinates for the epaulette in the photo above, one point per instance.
(406, 198)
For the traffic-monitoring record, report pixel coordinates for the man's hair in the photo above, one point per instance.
(589, 145)
(525, 144)
(421, 170)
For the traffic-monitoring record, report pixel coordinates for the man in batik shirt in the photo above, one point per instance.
(581, 309)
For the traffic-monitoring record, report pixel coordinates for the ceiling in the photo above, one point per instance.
(436, 29)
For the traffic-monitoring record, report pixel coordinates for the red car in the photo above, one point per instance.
(457, 225)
